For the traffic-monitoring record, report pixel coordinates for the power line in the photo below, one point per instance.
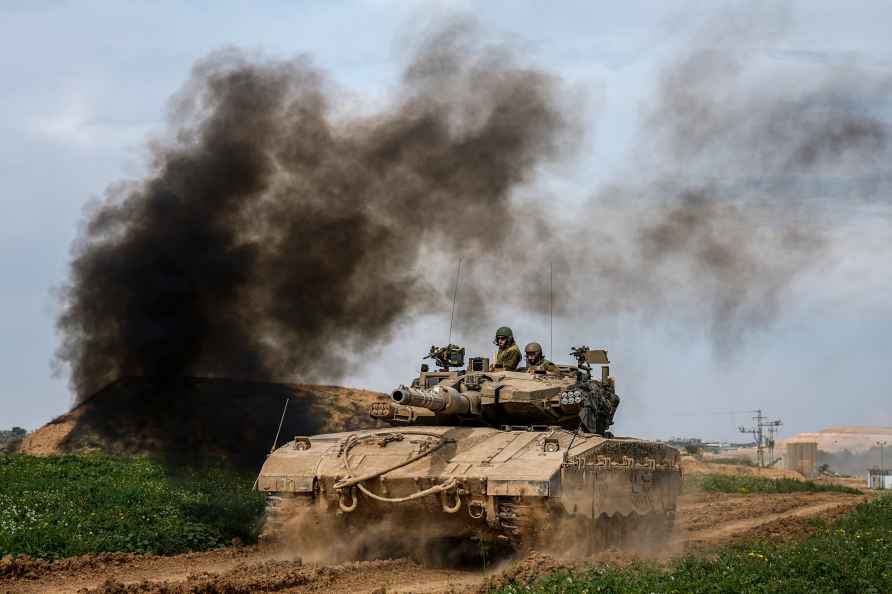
(763, 431)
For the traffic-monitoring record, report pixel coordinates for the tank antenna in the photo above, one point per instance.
(454, 295)
(575, 433)
(276, 441)
(282, 420)
(550, 313)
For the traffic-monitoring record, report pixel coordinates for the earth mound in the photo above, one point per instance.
(838, 439)
(199, 420)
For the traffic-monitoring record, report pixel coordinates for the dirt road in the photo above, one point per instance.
(704, 521)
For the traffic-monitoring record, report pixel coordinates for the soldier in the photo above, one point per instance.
(508, 355)
(535, 360)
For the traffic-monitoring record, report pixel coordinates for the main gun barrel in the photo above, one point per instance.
(440, 399)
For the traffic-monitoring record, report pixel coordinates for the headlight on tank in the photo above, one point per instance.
(302, 443)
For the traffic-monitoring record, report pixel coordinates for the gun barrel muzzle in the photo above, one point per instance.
(440, 399)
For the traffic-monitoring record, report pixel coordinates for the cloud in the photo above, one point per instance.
(76, 119)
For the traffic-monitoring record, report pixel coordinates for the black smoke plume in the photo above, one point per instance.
(276, 238)
(273, 239)
(745, 166)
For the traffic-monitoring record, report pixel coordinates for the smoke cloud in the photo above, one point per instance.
(273, 239)
(743, 168)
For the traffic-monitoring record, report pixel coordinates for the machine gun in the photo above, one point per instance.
(585, 357)
(447, 356)
(583, 367)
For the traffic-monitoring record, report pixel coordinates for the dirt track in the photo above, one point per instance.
(704, 521)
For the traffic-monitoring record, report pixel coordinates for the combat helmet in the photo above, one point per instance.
(533, 347)
(506, 332)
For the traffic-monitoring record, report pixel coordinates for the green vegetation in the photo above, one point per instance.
(849, 555)
(730, 483)
(71, 505)
(731, 461)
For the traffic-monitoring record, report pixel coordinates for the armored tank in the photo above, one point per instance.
(478, 452)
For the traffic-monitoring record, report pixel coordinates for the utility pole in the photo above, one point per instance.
(761, 426)
(772, 428)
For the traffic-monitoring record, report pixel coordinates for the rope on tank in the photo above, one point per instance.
(351, 481)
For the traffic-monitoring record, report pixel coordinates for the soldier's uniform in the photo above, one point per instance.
(543, 365)
(538, 362)
(508, 357)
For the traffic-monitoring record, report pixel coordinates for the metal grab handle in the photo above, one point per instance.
(355, 500)
(450, 509)
(476, 505)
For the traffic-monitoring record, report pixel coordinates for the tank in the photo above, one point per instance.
(480, 454)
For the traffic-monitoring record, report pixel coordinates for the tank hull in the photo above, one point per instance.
(522, 486)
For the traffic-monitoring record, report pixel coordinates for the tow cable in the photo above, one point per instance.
(356, 481)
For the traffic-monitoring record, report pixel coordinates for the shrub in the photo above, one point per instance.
(68, 505)
(729, 483)
(733, 461)
(850, 555)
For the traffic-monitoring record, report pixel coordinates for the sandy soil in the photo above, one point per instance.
(48, 439)
(704, 521)
(714, 518)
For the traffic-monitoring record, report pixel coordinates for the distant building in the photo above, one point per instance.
(839, 439)
(802, 456)
(879, 479)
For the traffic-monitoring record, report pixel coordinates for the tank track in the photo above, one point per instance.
(528, 525)
(523, 524)
(274, 518)
(638, 532)
(517, 519)
(280, 510)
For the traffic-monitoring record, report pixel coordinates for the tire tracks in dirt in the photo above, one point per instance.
(705, 521)
(711, 530)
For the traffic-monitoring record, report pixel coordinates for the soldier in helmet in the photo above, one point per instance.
(535, 360)
(508, 355)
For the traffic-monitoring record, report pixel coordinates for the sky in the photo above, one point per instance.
(86, 85)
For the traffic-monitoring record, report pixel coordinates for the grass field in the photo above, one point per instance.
(730, 461)
(743, 484)
(850, 555)
(61, 506)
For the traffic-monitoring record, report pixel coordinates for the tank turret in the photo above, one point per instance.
(480, 396)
